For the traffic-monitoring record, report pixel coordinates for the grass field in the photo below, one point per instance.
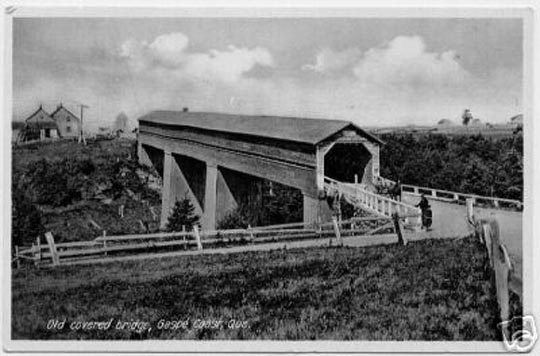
(427, 290)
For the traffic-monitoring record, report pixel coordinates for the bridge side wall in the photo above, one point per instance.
(219, 200)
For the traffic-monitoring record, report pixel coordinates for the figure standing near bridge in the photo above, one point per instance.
(427, 216)
(395, 193)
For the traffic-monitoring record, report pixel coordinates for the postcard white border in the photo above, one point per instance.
(527, 10)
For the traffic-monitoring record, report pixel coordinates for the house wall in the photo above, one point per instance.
(68, 125)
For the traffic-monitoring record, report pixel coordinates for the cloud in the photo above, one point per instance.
(397, 82)
(405, 61)
(328, 60)
(169, 52)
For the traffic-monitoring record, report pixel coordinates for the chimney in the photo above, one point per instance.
(185, 109)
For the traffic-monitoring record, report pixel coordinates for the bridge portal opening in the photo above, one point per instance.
(345, 160)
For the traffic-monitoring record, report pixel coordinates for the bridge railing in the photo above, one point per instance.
(456, 197)
(374, 202)
(450, 196)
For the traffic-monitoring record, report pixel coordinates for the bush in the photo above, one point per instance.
(236, 219)
(26, 220)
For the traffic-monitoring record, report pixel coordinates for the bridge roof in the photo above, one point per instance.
(311, 131)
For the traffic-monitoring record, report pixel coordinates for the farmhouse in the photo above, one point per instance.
(68, 124)
(214, 158)
(38, 126)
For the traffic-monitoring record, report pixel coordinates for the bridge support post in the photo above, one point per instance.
(210, 197)
(175, 187)
(166, 190)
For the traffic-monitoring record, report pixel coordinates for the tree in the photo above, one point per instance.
(467, 117)
(183, 214)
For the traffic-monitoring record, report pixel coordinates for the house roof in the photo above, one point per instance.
(59, 109)
(46, 122)
(311, 131)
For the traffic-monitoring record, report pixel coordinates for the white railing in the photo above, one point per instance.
(449, 196)
(456, 197)
(373, 202)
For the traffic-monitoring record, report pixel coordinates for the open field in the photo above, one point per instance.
(427, 290)
(495, 131)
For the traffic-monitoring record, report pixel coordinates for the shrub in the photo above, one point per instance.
(236, 219)
(26, 220)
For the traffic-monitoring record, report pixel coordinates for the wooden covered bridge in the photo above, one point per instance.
(211, 157)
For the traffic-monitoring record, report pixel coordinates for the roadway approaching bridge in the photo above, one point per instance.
(214, 159)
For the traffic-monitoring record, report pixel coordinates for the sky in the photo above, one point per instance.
(374, 72)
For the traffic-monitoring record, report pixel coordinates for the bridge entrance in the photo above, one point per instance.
(345, 161)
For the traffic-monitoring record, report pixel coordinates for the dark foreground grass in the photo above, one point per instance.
(428, 290)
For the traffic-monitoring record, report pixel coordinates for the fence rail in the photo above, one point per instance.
(53, 253)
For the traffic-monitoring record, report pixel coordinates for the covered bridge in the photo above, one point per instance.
(209, 157)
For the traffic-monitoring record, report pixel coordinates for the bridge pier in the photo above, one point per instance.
(210, 197)
(175, 187)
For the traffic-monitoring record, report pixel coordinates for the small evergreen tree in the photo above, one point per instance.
(183, 214)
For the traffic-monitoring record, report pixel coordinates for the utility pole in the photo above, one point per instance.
(81, 135)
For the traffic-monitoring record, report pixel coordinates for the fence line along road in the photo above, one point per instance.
(56, 253)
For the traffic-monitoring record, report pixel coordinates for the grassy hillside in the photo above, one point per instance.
(373, 293)
(75, 191)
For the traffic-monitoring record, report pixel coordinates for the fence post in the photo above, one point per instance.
(486, 229)
(399, 229)
(17, 260)
(250, 233)
(470, 212)
(52, 248)
(197, 237)
(38, 241)
(34, 255)
(336, 230)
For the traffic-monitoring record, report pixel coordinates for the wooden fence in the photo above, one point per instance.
(488, 233)
(54, 254)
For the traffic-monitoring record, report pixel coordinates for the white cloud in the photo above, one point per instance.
(405, 61)
(170, 51)
(328, 60)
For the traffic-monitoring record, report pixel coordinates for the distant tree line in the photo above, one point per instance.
(469, 164)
